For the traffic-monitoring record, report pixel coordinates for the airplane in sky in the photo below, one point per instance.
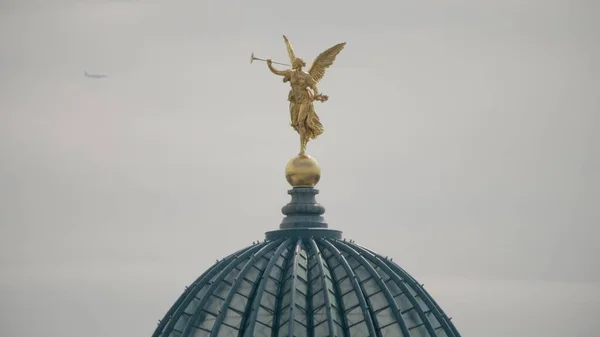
(93, 75)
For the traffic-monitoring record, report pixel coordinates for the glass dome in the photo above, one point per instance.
(303, 280)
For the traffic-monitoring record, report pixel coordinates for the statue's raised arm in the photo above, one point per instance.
(275, 70)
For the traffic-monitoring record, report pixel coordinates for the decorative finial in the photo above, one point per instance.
(303, 170)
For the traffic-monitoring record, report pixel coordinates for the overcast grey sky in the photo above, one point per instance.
(461, 139)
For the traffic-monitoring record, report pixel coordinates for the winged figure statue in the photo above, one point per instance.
(304, 90)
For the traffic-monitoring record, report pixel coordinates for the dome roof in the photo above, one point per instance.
(304, 281)
(339, 289)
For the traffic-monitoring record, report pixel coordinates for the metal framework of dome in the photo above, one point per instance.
(304, 280)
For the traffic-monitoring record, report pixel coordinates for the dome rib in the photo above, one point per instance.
(434, 308)
(379, 280)
(240, 278)
(162, 323)
(280, 294)
(177, 310)
(213, 284)
(356, 286)
(402, 278)
(335, 285)
(325, 289)
(294, 289)
(401, 283)
(362, 281)
(310, 289)
(257, 297)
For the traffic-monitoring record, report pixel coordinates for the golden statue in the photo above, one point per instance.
(304, 90)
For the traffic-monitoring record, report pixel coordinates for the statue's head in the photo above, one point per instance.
(298, 63)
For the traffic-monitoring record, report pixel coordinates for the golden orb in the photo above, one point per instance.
(302, 171)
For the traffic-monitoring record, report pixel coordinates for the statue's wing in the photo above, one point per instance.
(324, 60)
(290, 50)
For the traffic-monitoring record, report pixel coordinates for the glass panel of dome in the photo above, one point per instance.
(332, 297)
(322, 330)
(403, 302)
(301, 285)
(261, 330)
(285, 313)
(302, 254)
(245, 288)
(223, 289)
(264, 316)
(276, 273)
(350, 300)
(370, 286)
(318, 299)
(361, 273)
(344, 285)
(213, 305)
(283, 330)
(339, 272)
(317, 285)
(301, 272)
(335, 309)
(264, 261)
(181, 322)
(329, 258)
(238, 302)
(268, 301)
(340, 329)
(226, 331)
(300, 318)
(282, 259)
(252, 274)
(273, 290)
(393, 287)
(299, 330)
(354, 316)
(351, 261)
(411, 318)
(300, 300)
(385, 317)
(285, 301)
(200, 333)
(206, 321)
(378, 301)
(233, 273)
(319, 315)
(440, 332)
(192, 306)
(313, 276)
(360, 330)
(202, 291)
(392, 330)
(232, 319)
(337, 321)
(431, 317)
(288, 279)
(419, 331)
